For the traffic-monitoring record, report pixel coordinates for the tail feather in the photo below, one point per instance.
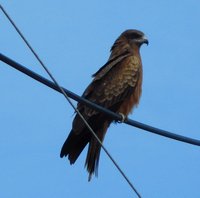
(92, 160)
(94, 149)
(74, 154)
(74, 145)
(76, 142)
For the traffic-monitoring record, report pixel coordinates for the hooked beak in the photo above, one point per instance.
(146, 41)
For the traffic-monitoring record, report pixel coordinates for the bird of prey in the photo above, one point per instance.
(116, 86)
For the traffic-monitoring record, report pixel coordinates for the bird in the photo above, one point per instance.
(116, 86)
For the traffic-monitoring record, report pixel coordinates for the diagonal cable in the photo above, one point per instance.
(65, 95)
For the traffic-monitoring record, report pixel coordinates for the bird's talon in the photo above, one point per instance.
(123, 117)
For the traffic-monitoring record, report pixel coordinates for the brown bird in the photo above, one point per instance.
(116, 86)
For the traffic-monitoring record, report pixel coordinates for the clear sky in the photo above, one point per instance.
(73, 38)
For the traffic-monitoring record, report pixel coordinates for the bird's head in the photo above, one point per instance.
(135, 37)
(132, 38)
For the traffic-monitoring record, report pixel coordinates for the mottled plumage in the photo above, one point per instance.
(116, 86)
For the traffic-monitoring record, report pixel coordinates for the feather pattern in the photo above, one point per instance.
(117, 87)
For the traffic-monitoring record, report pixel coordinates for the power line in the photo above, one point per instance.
(66, 96)
(96, 107)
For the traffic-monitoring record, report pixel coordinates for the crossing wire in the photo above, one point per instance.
(65, 95)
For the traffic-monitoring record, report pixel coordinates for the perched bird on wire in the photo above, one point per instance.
(116, 86)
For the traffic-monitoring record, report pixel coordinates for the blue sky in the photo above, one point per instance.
(73, 38)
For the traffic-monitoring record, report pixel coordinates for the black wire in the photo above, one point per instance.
(96, 107)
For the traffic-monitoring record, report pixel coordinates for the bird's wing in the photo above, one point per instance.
(113, 87)
(111, 63)
(113, 83)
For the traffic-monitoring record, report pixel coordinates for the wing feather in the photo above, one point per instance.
(113, 87)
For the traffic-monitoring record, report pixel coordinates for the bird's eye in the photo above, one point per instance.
(134, 36)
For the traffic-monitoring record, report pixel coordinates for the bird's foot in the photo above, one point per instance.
(123, 118)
